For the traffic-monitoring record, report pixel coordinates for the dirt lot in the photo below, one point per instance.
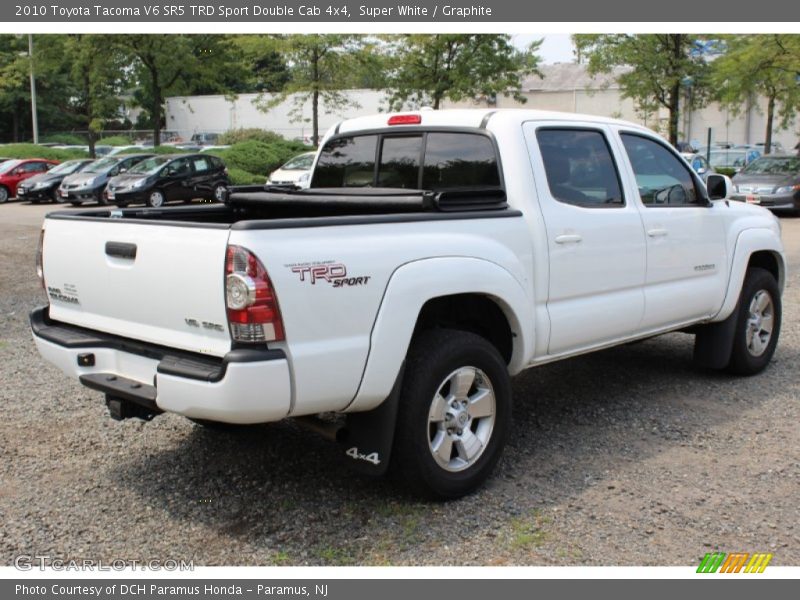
(626, 457)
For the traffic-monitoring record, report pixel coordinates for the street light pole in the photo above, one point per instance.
(34, 118)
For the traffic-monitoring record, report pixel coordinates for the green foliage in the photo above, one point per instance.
(657, 69)
(115, 140)
(241, 177)
(431, 68)
(154, 150)
(67, 139)
(766, 65)
(235, 136)
(725, 171)
(253, 157)
(265, 69)
(35, 151)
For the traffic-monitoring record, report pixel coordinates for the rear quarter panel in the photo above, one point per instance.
(328, 326)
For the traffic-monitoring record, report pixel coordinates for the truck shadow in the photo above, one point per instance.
(282, 491)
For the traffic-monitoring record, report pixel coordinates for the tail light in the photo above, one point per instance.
(253, 312)
(40, 259)
(405, 119)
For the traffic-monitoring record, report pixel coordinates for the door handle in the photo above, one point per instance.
(658, 232)
(121, 250)
(568, 238)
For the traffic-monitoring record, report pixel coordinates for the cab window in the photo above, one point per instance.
(580, 169)
(662, 178)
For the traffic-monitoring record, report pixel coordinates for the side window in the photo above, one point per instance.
(399, 162)
(662, 178)
(181, 167)
(459, 160)
(346, 162)
(580, 169)
(33, 167)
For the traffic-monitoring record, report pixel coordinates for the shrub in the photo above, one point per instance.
(35, 151)
(254, 157)
(725, 171)
(154, 150)
(115, 140)
(236, 136)
(67, 139)
(241, 177)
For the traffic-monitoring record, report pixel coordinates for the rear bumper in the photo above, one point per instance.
(245, 386)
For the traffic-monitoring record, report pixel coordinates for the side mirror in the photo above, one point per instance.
(720, 187)
(123, 170)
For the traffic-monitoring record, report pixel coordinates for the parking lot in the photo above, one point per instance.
(629, 456)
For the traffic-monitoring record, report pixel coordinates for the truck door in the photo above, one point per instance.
(686, 248)
(595, 238)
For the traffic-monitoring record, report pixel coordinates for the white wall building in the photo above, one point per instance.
(565, 87)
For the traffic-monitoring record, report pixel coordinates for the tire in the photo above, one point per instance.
(156, 199)
(758, 323)
(54, 195)
(435, 451)
(219, 192)
(76, 203)
(3, 194)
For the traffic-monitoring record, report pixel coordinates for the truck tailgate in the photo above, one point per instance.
(162, 284)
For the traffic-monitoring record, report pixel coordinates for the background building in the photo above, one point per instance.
(565, 87)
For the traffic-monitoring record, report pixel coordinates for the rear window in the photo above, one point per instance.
(431, 161)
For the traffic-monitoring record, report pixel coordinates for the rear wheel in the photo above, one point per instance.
(454, 414)
(758, 323)
(156, 199)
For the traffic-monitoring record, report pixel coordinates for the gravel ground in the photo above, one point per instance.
(629, 456)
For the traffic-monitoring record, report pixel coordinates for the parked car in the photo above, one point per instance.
(733, 158)
(170, 177)
(13, 172)
(89, 184)
(773, 181)
(119, 149)
(44, 187)
(775, 147)
(283, 305)
(296, 171)
(205, 138)
(699, 164)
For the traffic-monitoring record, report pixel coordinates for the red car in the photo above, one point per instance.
(14, 171)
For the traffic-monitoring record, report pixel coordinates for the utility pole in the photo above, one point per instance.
(34, 118)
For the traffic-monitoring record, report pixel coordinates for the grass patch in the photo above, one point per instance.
(530, 532)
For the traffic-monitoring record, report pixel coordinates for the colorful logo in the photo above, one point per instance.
(736, 562)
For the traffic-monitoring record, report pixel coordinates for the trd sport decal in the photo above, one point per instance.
(329, 272)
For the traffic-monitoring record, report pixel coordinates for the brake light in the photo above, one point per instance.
(40, 259)
(405, 120)
(253, 312)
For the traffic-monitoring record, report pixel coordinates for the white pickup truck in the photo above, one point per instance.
(436, 254)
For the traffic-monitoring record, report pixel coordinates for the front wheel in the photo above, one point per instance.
(758, 323)
(454, 414)
(155, 199)
(3, 194)
(219, 192)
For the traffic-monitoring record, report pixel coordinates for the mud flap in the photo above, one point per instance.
(713, 343)
(368, 438)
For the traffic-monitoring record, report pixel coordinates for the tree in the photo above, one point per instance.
(320, 67)
(95, 71)
(658, 68)
(265, 69)
(766, 65)
(431, 68)
(174, 64)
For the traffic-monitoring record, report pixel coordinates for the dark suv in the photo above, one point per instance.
(165, 178)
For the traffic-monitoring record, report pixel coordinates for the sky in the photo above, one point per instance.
(556, 47)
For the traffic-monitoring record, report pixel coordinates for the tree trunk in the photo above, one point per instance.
(770, 119)
(315, 97)
(674, 113)
(156, 110)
